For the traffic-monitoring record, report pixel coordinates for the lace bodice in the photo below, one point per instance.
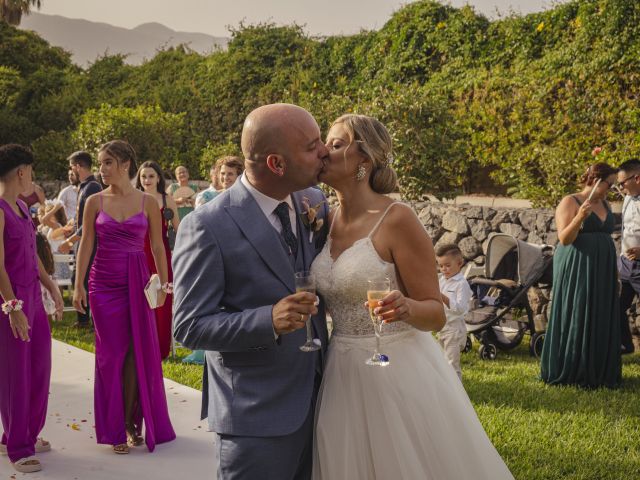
(343, 285)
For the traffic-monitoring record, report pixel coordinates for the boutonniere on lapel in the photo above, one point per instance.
(310, 217)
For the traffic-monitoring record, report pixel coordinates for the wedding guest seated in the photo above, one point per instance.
(582, 345)
(629, 259)
(53, 224)
(183, 192)
(46, 258)
(456, 295)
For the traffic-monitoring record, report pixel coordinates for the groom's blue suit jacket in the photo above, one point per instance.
(230, 268)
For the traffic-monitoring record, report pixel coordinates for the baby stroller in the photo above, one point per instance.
(502, 314)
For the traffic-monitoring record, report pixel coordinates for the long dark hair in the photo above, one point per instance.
(44, 253)
(162, 185)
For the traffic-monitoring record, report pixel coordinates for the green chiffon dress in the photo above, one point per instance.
(582, 345)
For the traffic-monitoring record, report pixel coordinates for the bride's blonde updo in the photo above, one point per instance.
(375, 143)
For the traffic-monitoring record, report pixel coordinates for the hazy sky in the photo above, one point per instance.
(212, 16)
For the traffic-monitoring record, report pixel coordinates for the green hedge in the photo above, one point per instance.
(524, 97)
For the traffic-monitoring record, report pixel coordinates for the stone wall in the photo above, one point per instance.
(469, 227)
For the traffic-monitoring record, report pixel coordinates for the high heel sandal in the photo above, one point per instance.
(121, 449)
(133, 439)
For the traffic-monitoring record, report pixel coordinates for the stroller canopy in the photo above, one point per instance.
(513, 259)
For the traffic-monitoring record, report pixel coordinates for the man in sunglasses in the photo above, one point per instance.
(629, 260)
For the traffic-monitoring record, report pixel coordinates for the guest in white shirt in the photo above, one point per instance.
(629, 260)
(214, 189)
(456, 295)
(68, 196)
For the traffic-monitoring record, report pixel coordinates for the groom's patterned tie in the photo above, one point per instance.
(282, 211)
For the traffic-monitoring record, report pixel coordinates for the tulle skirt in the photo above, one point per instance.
(409, 420)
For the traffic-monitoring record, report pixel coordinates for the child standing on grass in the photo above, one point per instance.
(456, 295)
(25, 338)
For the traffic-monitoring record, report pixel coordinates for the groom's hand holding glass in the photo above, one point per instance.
(291, 313)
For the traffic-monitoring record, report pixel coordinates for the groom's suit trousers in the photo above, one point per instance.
(288, 457)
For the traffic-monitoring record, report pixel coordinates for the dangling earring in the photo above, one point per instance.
(361, 172)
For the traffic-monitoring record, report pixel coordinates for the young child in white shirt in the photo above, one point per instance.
(456, 295)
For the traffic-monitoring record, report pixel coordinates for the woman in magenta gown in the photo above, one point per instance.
(129, 389)
(150, 179)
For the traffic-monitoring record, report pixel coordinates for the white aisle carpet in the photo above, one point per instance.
(77, 456)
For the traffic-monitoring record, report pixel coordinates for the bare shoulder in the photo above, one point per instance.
(150, 203)
(568, 204)
(92, 201)
(401, 215)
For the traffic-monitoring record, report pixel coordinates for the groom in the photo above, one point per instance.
(234, 266)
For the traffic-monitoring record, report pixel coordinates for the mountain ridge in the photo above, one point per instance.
(88, 40)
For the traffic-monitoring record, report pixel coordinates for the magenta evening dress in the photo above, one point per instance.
(122, 317)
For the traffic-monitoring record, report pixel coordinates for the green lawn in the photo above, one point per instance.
(541, 432)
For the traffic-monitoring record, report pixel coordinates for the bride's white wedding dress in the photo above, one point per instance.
(409, 420)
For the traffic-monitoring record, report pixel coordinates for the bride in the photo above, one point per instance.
(411, 419)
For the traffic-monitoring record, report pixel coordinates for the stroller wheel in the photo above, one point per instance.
(488, 351)
(468, 345)
(536, 343)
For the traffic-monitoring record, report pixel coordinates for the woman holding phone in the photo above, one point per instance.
(582, 345)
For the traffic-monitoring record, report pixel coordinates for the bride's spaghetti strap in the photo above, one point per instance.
(375, 227)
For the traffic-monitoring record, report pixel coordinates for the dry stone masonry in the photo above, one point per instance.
(469, 227)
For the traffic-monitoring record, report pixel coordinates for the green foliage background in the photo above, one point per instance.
(525, 98)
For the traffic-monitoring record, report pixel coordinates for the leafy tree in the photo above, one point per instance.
(154, 134)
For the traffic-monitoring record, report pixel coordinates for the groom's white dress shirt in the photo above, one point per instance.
(268, 205)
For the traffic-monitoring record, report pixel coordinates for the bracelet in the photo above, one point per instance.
(12, 306)
(167, 288)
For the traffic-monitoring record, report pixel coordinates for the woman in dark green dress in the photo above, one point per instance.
(582, 345)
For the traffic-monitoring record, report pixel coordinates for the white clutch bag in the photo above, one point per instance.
(151, 290)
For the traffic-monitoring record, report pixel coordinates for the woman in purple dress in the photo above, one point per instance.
(25, 338)
(129, 389)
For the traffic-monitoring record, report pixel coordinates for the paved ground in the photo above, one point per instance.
(77, 456)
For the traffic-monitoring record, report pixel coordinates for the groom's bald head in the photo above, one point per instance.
(281, 143)
(268, 130)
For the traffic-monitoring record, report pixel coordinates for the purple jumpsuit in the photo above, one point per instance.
(25, 367)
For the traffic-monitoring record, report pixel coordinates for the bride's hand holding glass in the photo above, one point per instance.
(393, 307)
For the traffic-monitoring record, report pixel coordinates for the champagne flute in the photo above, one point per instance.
(306, 282)
(378, 288)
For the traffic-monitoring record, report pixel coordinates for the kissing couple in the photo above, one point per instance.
(280, 413)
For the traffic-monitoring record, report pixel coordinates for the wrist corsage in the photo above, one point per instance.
(12, 306)
(310, 217)
(167, 287)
